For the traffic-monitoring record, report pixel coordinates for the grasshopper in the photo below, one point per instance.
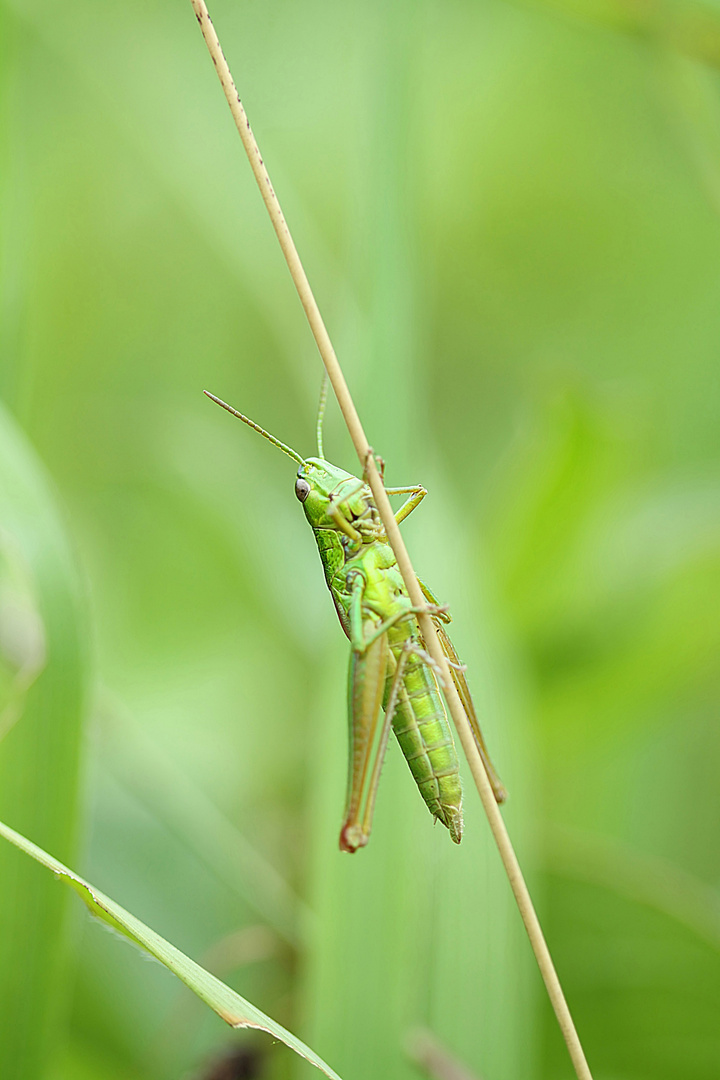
(390, 668)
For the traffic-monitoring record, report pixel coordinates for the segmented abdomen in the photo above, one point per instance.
(421, 727)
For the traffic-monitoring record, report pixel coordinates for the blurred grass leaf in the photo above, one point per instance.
(230, 1007)
(43, 678)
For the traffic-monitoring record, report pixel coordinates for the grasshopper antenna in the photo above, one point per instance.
(256, 427)
(321, 413)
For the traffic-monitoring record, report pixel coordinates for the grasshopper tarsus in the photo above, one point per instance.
(379, 464)
(352, 838)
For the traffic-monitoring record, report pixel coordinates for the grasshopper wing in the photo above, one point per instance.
(458, 677)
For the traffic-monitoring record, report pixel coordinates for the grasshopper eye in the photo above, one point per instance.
(302, 489)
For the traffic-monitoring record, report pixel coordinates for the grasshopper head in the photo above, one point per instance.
(318, 484)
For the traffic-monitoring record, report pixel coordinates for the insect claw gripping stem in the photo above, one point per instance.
(438, 611)
(462, 668)
(379, 464)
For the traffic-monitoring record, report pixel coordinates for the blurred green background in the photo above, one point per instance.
(510, 214)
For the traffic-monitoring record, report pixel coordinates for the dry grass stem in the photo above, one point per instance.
(368, 465)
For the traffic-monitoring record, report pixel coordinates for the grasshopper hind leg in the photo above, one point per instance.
(368, 740)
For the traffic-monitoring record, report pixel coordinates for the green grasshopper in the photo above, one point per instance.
(390, 668)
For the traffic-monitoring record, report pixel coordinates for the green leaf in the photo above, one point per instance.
(231, 1007)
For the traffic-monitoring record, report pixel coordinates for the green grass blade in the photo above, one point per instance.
(43, 680)
(231, 1007)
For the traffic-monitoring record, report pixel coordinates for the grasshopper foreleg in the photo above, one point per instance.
(342, 523)
(417, 493)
